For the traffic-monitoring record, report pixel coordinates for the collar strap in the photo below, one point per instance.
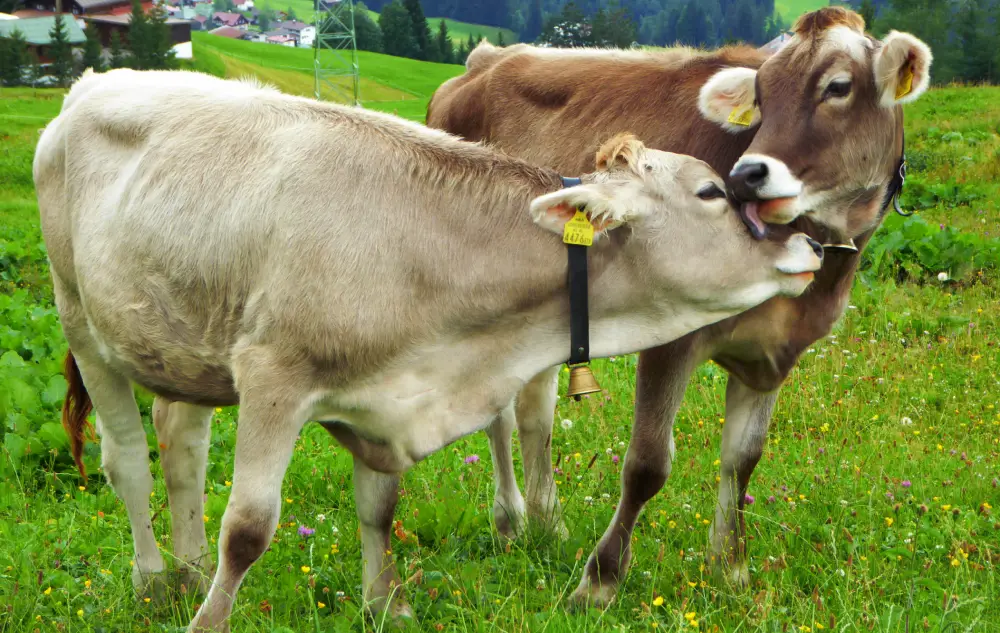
(896, 185)
(579, 311)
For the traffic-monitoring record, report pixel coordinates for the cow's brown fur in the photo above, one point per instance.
(76, 408)
(552, 108)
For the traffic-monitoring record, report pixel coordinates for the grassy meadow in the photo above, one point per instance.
(874, 501)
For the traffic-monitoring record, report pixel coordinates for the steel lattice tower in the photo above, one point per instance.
(335, 55)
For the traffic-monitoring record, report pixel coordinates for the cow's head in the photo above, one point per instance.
(680, 231)
(830, 127)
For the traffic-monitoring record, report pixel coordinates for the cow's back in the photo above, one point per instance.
(555, 107)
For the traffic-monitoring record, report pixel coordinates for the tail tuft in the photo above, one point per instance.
(76, 408)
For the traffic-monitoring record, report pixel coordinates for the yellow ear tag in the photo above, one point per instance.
(905, 84)
(742, 117)
(579, 230)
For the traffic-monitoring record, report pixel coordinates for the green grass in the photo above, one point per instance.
(824, 552)
(391, 84)
(790, 10)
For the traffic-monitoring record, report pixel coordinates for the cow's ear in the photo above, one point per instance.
(902, 69)
(605, 205)
(729, 99)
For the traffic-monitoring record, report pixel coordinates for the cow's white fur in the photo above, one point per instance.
(294, 292)
(897, 50)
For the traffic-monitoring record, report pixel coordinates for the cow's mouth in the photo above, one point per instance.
(749, 213)
(757, 214)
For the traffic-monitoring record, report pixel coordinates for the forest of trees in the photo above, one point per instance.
(963, 36)
(403, 30)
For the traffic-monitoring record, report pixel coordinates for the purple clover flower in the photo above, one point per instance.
(472, 459)
(306, 532)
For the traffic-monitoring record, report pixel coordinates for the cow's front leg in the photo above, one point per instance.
(375, 496)
(508, 504)
(269, 422)
(661, 378)
(748, 414)
(536, 406)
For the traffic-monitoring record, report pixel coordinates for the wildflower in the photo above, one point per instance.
(146, 600)
(321, 517)
(905, 421)
(82, 488)
(955, 562)
(942, 276)
(672, 525)
(289, 500)
(748, 499)
(86, 583)
(888, 521)
(657, 601)
(614, 459)
(228, 483)
(472, 459)
(79, 613)
(305, 569)
(218, 409)
(566, 424)
(692, 584)
(905, 483)
(48, 591)
(771, 499)
(320, 605)
(690, 616)
(946, 507)
(306, 532)
(805, 629)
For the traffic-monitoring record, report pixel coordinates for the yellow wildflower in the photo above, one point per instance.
(690, 615)
(48, 591)
(320, 605)
(888, 521)
(79, 613)
(86, 583)
(305, 569)
(657, 601)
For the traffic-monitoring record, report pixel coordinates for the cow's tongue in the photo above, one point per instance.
(748, 213)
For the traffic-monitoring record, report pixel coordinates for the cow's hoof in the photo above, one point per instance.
(592, 595)
(399, 615)
(510, 523)
(192, 580)
(735, 575)
(154, 585)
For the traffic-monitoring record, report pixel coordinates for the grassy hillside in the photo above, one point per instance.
(875, 504)
(790, 10)
(390, 84)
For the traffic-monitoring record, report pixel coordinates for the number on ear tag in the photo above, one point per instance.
(579, 230)
(905, 84)
(742, 117)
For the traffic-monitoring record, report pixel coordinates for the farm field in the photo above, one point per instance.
(389, 84)
(875, 505)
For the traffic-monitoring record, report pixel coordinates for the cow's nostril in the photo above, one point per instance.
(816, 246)
(746, 178)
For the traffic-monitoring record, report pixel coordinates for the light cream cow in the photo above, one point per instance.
(385, 278)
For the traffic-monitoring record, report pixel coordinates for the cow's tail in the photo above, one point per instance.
(76, 408)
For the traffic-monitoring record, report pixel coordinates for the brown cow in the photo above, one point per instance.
(812, 136)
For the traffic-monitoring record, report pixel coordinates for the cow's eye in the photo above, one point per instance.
(837, 90)
(711, 191)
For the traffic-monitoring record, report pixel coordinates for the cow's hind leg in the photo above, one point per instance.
(748, 414)
(508, 504)
(125, 460)
(271, 416)
(184, 434)
(536, 406)
(375, 497)
(662, 377)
